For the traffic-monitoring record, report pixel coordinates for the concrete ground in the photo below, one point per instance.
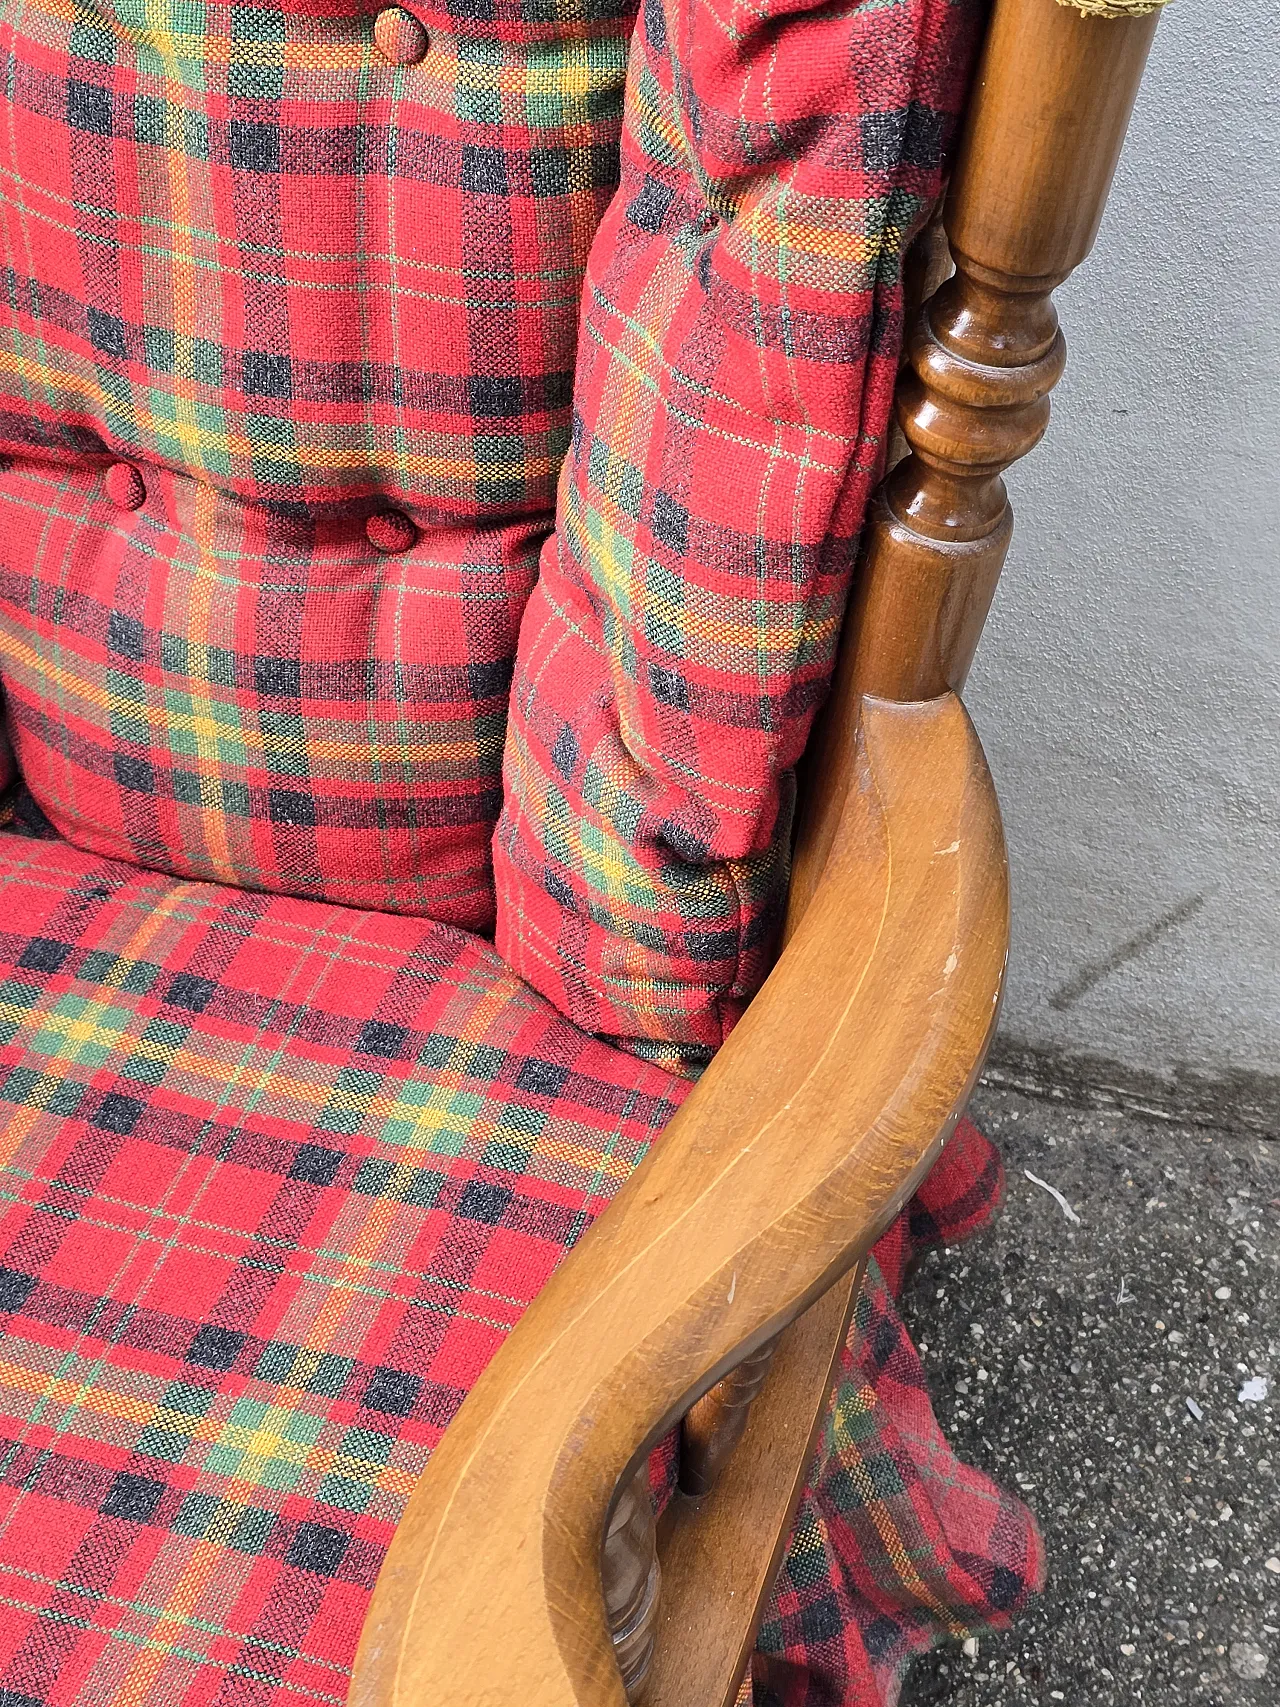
(1124, 1374)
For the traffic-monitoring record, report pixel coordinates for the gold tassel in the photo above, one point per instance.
(1115, 8)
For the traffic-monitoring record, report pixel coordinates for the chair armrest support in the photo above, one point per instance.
(803, 1139)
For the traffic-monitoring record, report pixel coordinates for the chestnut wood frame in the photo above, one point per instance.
(525, 1568)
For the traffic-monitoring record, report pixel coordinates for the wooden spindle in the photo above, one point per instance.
(631, 1577)
(715, 1425)
(982, 353)
(1048, 116)
(926, 264)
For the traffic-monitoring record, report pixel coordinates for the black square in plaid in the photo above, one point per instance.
(277, 1178)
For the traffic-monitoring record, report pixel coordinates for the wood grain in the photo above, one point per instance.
(828, 1102)
(803, 1139)
(710, 1431)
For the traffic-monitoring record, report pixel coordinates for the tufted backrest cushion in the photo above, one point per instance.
(289, 314)
(741, 328)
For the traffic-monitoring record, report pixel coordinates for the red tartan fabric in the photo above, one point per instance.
(741, 329)
(290, 306)
(277, 1178)
(287, 333)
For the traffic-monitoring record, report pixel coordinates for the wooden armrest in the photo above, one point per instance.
(805, 1136)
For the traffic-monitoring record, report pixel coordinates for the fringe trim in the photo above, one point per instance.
(1114, 8)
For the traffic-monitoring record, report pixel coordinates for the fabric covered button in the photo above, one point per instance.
(390, 531)
(125, 486)
(399, 37)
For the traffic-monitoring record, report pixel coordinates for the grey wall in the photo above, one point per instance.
(1128, 690)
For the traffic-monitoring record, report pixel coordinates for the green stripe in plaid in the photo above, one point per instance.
(897, 1545)
(238, 697)
(741, 325)
(241, 243)
(276, 1178)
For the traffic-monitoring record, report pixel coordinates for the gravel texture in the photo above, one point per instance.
(1124, 1375)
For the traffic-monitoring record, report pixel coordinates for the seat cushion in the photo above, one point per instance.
(286, 343)
(741, 327)
(277, 1177)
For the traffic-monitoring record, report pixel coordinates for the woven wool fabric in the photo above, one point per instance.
(286, 341)
(277, 1178)
(896, 1544)
(741, 330)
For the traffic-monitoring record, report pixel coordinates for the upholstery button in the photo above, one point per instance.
(399, 37)
(390, 531)
(125, 486)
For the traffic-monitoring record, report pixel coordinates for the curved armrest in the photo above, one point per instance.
(805, 1136)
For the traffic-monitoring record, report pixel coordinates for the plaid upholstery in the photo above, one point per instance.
(277, 1178)
(896, 1545)
(286, 336)
(290, 306)
(742, 321)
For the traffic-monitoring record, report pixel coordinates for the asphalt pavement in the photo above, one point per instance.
(1119, 1365)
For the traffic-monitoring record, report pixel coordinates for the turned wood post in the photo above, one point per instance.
(1046, 121)
(630, 1573)
(983, 350)
(715, 1425)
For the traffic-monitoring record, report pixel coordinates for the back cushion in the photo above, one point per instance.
(289, 317)
(741, 328)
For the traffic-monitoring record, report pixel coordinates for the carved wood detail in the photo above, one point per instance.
(827, 1103)
(983, 354)
(816, 1121)
(925, 266)
(629, 1568)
